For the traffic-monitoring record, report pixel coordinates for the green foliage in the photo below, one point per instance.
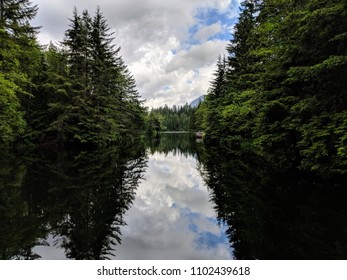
(153, 123)
(199, 118)
(102, 105)
(12, 123)
(177, 118)
(283, 90)
(79, 94)
(18, 53)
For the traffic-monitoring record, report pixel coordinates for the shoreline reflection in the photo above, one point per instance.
(275, 214)
(172, 216)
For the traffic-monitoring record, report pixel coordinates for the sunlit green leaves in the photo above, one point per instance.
(12, 123)
(288, 96)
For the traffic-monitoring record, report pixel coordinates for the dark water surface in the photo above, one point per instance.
(173, 199)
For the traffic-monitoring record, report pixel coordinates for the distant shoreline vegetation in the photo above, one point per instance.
(170, 120)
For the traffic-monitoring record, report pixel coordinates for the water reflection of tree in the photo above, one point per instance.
(177, 143)
(273, 214)
(20, 228)
(81, 198)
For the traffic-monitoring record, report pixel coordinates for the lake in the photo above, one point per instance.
(171, 198)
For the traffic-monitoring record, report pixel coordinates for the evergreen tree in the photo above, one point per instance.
(216, 94)
(82, 93)
(77, 41)
(217, 89)
(177, 118)
(11, 119)
(103, 105)
(18, 53)
(51, 94)
(240, 58)
(285, 86)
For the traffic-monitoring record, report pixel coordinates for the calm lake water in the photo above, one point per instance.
(170, 199)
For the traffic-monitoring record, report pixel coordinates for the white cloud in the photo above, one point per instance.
(222, 5)
(170, 214)
(207, 32)
(155, 39)
(171, 217)
(198, 56)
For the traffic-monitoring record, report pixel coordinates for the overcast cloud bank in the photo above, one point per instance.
(171, 47)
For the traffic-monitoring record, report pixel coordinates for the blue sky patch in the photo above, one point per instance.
(210, 16)
(204, 239)
(207, 17)
(209, 240)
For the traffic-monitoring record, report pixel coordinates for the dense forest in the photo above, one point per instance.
(177, 118)
(273, 155)
(281, 89)
(79, 92)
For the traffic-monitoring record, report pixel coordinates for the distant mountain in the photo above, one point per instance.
(195, 103)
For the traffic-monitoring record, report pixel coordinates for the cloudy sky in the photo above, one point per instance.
(170, 46)
(171, 217)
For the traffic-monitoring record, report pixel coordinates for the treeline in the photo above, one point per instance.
(177, 118)
(281, 90)
(78, 92)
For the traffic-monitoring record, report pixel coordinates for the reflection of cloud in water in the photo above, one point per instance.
(172, 217)
(51, 251)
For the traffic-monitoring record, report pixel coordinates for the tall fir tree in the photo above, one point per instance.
(18, 64)
(240, 59)
(102, 103)
(285, 91)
